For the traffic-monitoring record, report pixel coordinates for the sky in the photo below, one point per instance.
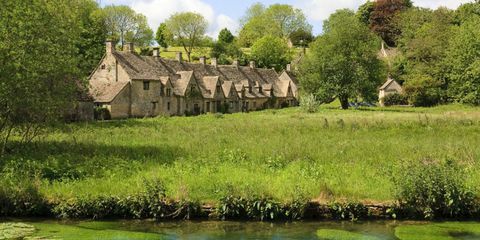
(226, 13)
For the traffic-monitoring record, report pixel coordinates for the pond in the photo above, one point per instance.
(52, 229)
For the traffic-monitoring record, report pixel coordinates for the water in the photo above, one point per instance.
(385, 230)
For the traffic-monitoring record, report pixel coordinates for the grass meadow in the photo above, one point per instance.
(325, 156)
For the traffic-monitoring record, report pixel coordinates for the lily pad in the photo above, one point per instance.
(438, 231)
(333, 234)
(15, 230)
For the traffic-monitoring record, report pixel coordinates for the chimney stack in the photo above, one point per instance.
(179, 57)
(110, 46)
(203, 60)
(129, 47)
(214, 62)
(156, 52)
(289, 67)
(252, 65)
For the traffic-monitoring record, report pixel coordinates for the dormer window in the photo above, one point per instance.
(169, 92)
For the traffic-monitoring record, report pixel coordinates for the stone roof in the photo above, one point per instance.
(106, 92)
(180, 85)
(387, 83)
(210, 84)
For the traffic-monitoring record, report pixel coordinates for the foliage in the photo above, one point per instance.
(348, 211)
(21, 198)
(188, 29)
(463, 63)
(101, 113)
(270, 51)
(40, 65)
(301, 38)
(342, 62)
(225, 36)
(162, 36)
(422, 90)
(395, 99)
(278, 20)
(227, 52)
(435, 189)
(125, 25)
(364, 12)
(309, 103)
(382, 18)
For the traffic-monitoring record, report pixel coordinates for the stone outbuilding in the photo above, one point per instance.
(389, 87)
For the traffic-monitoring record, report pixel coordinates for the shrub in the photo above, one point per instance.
(21, 198)
(309, 103)
(434, 189)
(102, 113)
(348, 211)
(395, 99)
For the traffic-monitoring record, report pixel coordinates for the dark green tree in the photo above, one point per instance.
(342, 63)
(162, 35)
(226, 36)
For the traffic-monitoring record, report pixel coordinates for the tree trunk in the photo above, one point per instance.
(344, 102)
(189, 57)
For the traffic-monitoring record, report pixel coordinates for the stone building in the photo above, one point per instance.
(389, 87)
(130, 85)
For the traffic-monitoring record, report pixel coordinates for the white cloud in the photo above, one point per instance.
(434, 4)
(224, 21)
(157, 11)
(318, 10)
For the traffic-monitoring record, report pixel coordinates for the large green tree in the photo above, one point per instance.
(125, 25)
(187, 29)
(280, 20)
(39, 59)
(162, 36)
(271, 51)
(342, 63)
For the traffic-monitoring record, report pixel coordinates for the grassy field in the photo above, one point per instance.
(332, 154)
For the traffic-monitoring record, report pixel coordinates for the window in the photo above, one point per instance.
(218, 89)
(162, 90)
(231, 104)
(250, 89)
(154, 105)
(192, 89)
(168, 106)
(146, 85)
(103, 66)
(260, 89)
(208, 107)
(169, 92)
(254, 104)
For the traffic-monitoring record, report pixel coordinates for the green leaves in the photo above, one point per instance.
(271, 51)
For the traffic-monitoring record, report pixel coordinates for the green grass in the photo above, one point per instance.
(332, 154)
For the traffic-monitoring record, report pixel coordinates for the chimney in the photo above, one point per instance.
(179, 57)
(289, 67)
(235, 63)
(214, 62)
(203, 60)
(129, 47)
(156, 52)
(252, 64)
(110, 46)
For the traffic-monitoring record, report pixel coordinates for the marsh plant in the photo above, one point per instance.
(435, 189)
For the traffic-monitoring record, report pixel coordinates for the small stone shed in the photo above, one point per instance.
(389, 87)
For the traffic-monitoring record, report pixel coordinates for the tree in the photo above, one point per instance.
(188, 29)
(225, 36)
(125, 25)
(364, 12)
(301, 38)
(271, 51)
(463, 63)
(382, 18)
(162, 35)
(40, 65)
(467, 11)
(343, 62)
(278, 20)
(254, 11)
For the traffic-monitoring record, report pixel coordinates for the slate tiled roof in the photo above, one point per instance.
(106, 92)
(387, 83)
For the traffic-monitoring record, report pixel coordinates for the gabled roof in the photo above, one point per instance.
(106, 92)
(210, 84)
(181, 84)
(388, 83)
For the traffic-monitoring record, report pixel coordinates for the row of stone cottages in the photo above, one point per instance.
(130, 85)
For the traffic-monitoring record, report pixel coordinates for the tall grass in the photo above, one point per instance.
(326, 156)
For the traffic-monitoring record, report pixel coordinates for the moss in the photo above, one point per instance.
(15, 230)
(333, 234)
(438, 231)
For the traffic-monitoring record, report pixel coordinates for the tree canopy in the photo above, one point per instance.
(125, 25)
(162, 36)
(271, 51)
(343, 62)
(382, 18)
(188, 29)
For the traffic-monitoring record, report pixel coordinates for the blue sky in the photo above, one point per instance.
(226, 13)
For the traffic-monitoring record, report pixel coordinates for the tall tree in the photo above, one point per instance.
(364, 12)
(39, 59)
(271, 51)
(278, 20)
(382, 18)
(162, 35)
(225, 36)
(343, 62)
(254, 11)
(124, 24)
(188, 29)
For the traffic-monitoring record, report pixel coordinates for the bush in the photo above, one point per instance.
(395, 99)
(309, 103)
(21, 198)
(434, 189)
(102, 113)
(348, 211)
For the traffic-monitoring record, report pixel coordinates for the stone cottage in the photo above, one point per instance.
(389, 87)
(130, 85)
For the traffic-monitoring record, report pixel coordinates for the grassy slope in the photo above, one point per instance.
(281, 153)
